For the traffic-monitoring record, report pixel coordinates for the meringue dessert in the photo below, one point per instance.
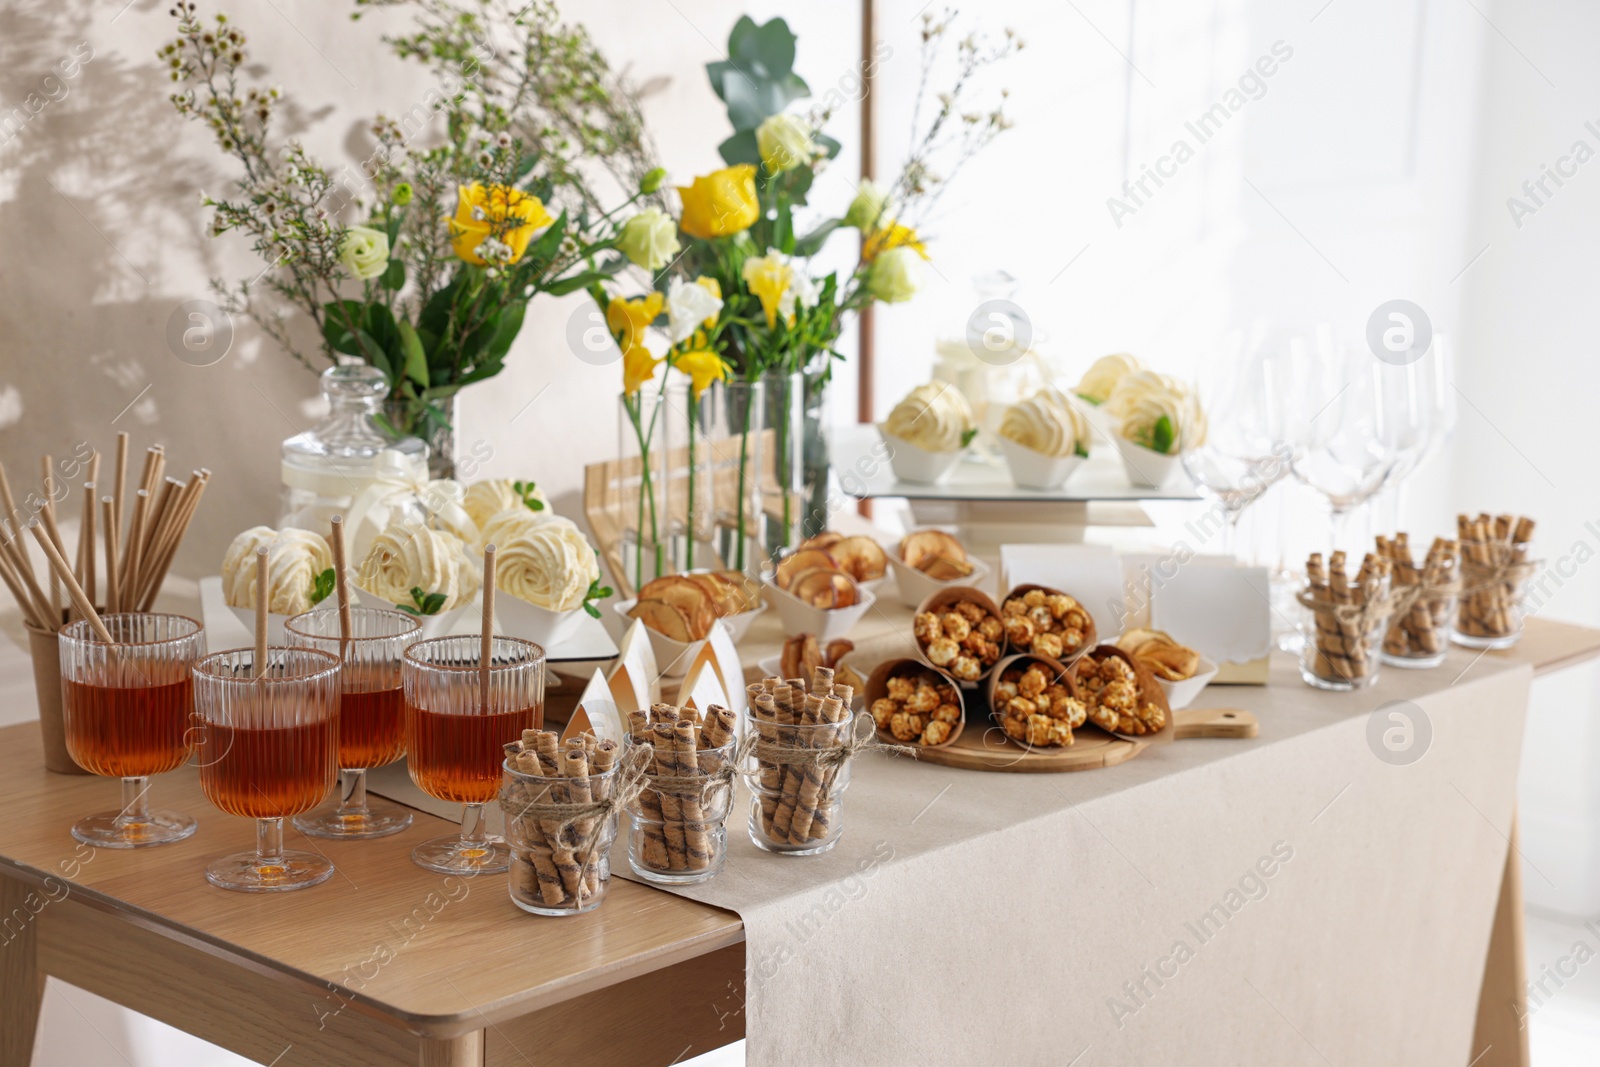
(1103, 374)
(1157, 412)
(934, 417)
(405, 557)
(294, 560)
(488, 498)
(1047, 423)
(547, 563)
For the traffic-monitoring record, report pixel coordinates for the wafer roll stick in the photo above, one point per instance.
(792, 774)
(540, 859)
(765, 711)
(654, 851)
(829, 710)
(697, 846)
(666, 766)
(575, 767)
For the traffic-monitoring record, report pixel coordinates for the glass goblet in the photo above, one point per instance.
(371, 714)
(126, 712)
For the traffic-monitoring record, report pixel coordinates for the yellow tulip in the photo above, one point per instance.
(720, 203)
(769, 278)
(638, 367)
(510, 216)
(712, 286)
(891, 235)
(703, 367)
(628, 319)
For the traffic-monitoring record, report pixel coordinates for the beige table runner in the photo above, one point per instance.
(1294, 899)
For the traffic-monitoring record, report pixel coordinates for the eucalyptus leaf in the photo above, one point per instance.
(416, 360)
(394, 277)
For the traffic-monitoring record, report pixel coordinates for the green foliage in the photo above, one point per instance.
(423, 602)
(967, 436)
(528, 492)
(1162, 435)
(596, 592)
(322, 586)
(755, 81)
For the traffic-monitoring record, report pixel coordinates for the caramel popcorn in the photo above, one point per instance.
(921, 707)
(1050, 624)
(1114, 697)
(962, 638)
(1035, 709)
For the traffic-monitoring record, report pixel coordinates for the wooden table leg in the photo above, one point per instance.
(21, 982)
(1501, 1036)
(463, 1051)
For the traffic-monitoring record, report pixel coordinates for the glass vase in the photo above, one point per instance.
(740, 450)
(783, 477)
(639, 495)
(687, 435)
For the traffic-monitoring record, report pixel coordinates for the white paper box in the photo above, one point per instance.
(914, 587)
(828, 624)
(913, 464)
(1035, 470)
(1215, 607)
(1146, 468)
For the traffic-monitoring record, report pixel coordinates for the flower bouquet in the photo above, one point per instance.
(738, 237)
(421, 262)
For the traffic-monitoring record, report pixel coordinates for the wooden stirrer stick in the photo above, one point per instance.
(486, 652)
(188, 503)
(341, 588)
(263, 586)
(122, 479)
(108, 512)
(47, 465)
(86, 543)
(58, 563)
(131, 546)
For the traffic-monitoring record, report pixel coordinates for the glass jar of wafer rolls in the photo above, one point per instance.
(1345, 620)
(678, 825)
(800, 763)
(1418, 634)
(560, 852)
(1495, 569)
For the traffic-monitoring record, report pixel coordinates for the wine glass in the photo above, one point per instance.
(126, 707)
(269, 749)
(1423, 405)
(460, 712)
(1344, 432)
(371, 714)
(1245, 449)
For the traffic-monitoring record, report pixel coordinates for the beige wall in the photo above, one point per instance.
(101, 240)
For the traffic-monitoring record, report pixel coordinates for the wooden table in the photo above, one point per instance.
(388, 964)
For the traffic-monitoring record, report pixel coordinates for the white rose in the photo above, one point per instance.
(868, 209)
(649, 239)
(785, 143)
(364, 251)
(896, 275)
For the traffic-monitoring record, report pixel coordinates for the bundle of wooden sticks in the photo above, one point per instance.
(1494, 567)
(1345, 634)
(1424, 629)
(137, 552)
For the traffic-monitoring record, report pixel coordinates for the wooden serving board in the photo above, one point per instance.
(983, 747)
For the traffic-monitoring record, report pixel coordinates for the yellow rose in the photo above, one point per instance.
(507, 218)
(769, 278)
(703, 368)
(720, 203)
(891, 235)
(638, 367)
(629, 318)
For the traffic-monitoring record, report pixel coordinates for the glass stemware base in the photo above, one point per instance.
(250, 872)
(378, 818)
(118, 829)
(453, 855)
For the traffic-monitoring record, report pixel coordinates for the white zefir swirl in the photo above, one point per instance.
(1046, 422)
(505, 525)
(933, 417)
(486, 499)
(1103, 374)
(549, 564)
(1141, 399)
(405, 557)
(294, 559)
